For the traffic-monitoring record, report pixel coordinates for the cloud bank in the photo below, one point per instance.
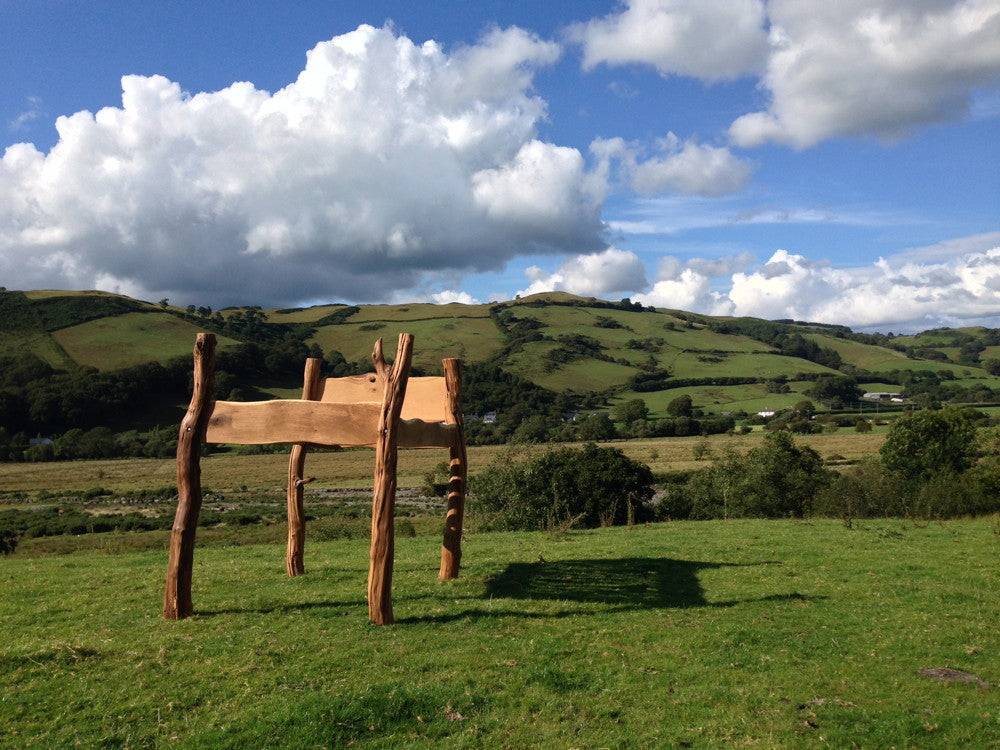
(383, 161)
(852, 67)
(908, 291)
(603, 274)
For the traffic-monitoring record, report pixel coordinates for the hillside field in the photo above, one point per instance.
(688, 634)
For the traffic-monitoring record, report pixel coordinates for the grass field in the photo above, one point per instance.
(695, 634)
(722, 398)
(471, 339)
(124, 340)
(352, 468)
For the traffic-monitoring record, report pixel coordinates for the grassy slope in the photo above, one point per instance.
(720, 398)
(473, 339)
(880, 359)
(131, 339)
(762, 633)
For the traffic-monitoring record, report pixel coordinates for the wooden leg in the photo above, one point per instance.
(295, 554)
(177, 592)
(451, 547)
(384, 494)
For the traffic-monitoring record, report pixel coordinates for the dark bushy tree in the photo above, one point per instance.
(589, 486)
(924, 443)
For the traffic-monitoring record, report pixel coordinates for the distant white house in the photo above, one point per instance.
(490, 417)
(40, 441)
(766, 413)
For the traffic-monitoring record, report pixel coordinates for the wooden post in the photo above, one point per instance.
(451, 548)
(384, 495)
(177, 592)
(295, 554)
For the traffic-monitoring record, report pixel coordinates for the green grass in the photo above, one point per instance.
(471, 339)
(748, 633)
(131, 339)
(419, 311)
(308, 315)
(722, 398)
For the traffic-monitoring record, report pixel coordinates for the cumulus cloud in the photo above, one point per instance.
(606, 273)
(891, 292)
(676, 166)
(688, 285)
(954, 282)
(871, 67)
(384, 161)
(708, 39)
(449, 296)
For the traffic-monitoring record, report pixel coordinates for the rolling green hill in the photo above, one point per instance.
(558, 341)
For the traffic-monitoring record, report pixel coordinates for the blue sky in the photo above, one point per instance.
(874, 185)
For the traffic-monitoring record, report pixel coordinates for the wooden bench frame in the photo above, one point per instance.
(367, 410)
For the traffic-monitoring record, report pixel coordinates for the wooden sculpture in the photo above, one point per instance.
(384, 410)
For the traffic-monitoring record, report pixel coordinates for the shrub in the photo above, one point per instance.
(925, 443)
(8, 541)
(589, 486)
(777, 479)
(633, 410)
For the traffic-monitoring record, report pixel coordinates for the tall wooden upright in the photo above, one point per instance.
(451, 547)
(393, 382)
(177, 593)
(295, 554)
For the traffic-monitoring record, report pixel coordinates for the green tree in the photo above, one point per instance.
(992, 366)
(835, 391)
(630, 411)
(682, 406)
(924, 443)
(589, 486)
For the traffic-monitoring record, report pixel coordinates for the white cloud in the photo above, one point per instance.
(685, 167)
(708, 39)
(449, 296)
(598, 274)
(871, 67)
(953, 282)
(384, 161)
(688, 285)
(33, 112)
(898, 291)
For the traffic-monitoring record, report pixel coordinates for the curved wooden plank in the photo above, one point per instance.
(426, 397)
(314, 422)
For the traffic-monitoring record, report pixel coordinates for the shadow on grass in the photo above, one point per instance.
(622, 585)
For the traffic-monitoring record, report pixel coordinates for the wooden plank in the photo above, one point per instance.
(426, 397)
(180, 566)
(315, 422)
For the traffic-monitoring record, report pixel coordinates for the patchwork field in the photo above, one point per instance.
(689, 634)
(722, 398)
(131, 339)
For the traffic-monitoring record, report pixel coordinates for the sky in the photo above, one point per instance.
(836, 162)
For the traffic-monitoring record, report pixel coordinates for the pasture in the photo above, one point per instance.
(352, 468)
(119, 341)
(693, 634)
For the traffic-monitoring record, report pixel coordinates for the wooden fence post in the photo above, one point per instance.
(177, 592)
(384, 495)
(451, 547)
(295, 554)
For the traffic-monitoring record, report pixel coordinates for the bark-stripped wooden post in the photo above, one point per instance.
(295, 554)
(451, 547)
(177, 592)
(384, 495)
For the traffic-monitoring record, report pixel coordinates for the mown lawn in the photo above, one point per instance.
(748, 633)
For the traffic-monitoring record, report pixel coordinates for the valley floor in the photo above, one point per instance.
(693, 634)
(352, 468)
